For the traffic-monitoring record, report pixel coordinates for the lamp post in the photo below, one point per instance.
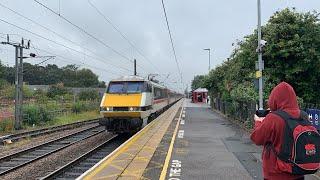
(208, 49)
(260, 62)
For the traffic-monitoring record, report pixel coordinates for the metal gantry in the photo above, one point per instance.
(18, 78)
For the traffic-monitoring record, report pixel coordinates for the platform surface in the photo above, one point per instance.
(192, 142)
(208, 146)
(131, 159)
(205, 145)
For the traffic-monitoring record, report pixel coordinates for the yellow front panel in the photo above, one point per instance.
(122, 100)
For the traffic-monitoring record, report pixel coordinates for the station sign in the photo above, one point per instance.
(314, 115)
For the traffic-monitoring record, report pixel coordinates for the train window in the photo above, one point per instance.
(135, 87)
(116, 87)
(157, 93)
(126, 87)
(148, 87)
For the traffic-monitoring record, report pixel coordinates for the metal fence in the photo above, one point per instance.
(239, 110)
(244, 110)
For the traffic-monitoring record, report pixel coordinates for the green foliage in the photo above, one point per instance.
(40, 96)
(7, 90)
(57, 90)
(89, 95)
(197, 82)
(244, 92)
(292, 55)
(2, 70)
(6, 125)
(35, 115)
(70, 75)
(82, 106)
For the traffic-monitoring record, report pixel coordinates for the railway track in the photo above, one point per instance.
(19, 159)
(78, 166)
(40, 132)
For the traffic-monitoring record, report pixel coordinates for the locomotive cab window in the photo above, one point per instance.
(126, 87)
(135, 87)
(116, 87)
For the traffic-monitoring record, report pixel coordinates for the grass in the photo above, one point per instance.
(72, 117)
(6, 127)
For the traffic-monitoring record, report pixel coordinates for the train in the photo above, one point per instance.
(131, 102)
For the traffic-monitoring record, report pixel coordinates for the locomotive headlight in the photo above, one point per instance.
(134, 108)
(103, 108)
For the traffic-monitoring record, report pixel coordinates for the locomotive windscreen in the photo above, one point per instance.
(126, 87)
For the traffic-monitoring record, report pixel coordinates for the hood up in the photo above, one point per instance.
(284, 98)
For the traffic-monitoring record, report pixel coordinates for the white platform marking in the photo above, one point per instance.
(180, 134)
(175, 170)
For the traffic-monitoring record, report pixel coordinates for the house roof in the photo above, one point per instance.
(201, 90)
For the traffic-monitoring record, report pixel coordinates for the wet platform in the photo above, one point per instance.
(189, 141)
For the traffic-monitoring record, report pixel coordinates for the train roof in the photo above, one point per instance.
(137, 78)
(129, 78)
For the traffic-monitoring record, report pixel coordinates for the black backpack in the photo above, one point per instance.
(300, 152)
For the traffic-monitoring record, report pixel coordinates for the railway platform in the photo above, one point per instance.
(188, 141)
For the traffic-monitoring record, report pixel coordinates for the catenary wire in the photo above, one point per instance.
(121, 34)
(87, 33)
(171, 40)
(60, 44)
(48, 29)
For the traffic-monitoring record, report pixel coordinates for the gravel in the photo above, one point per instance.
(30, 142)
(52, 162)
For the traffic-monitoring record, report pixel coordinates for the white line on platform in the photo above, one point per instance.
(180, 134)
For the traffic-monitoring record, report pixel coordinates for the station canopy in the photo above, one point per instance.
(201, 90)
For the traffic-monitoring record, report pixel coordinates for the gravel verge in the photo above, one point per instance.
(30, 142)
(52, 162)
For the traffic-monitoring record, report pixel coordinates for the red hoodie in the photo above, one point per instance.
(271, 130)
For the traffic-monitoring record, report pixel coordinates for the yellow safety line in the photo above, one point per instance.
(121, 150)
(91, 174)
(168, 157)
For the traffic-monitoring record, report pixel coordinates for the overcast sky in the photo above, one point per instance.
(195, 25)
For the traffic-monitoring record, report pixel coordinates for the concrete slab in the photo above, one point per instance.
(202, 153)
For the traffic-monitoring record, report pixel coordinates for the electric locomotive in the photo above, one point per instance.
(131, 102)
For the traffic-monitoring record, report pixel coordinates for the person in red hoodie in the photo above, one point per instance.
(271, 129)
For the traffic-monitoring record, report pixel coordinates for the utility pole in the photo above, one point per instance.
(260, 62)
(18, 79)
(208, 49)
(135, 67)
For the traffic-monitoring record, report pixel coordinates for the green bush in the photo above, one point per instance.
(6, 125)
(36, 115)
(83, 106)
(89, 95)
(77, 107)
(40, 96)
(57, 91)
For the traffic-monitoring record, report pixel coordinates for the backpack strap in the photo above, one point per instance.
(290, 121)
(287, 140)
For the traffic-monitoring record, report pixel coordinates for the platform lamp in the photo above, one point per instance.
(208, 49)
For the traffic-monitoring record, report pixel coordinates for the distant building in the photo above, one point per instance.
(200, 95)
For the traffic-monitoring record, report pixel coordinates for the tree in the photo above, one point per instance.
(292, 54)
(197, 82)
(70, 75)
